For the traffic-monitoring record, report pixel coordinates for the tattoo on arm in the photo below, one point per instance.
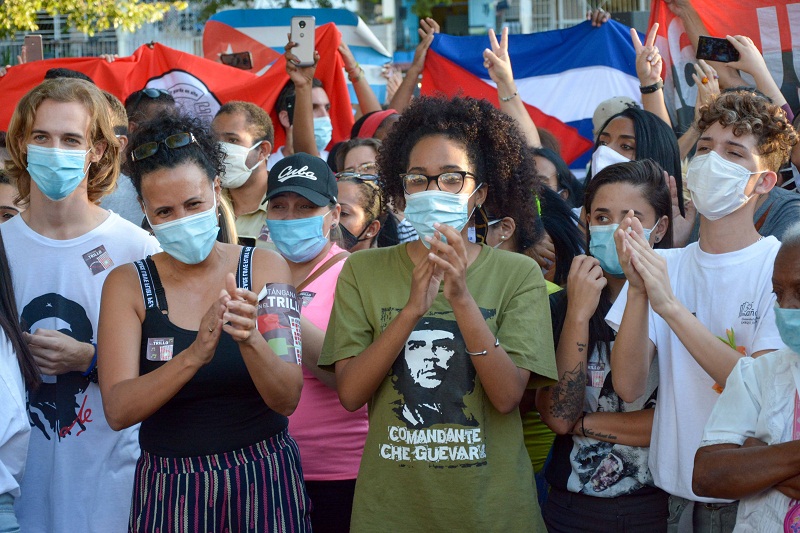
(568, 394)
(581, 347)
(598, 435)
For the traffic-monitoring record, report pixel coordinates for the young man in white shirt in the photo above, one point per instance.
(64, 158)
(701, 307)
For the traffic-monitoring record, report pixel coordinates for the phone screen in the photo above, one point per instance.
(715, 49)
(242, 60)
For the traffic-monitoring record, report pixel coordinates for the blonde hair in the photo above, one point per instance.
(227, 222)
(103, 174)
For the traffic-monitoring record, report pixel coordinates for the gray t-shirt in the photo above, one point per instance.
(124, 201)
(784, 211)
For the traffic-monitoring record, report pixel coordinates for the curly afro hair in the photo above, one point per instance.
(205, 152)
(495, 148)
(749, 113)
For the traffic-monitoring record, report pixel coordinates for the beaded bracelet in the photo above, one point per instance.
(484, 352)
(507, 98)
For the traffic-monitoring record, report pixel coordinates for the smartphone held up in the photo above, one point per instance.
(303, 34)
(716, 49)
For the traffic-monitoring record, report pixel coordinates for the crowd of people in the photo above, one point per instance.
(411, 330)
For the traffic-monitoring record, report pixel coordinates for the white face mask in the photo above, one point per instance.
(717, 185)
(236, 170)
(604, 157)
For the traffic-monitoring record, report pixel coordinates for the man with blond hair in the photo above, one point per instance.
(64, 157)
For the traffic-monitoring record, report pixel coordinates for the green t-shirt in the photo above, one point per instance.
(439, 456)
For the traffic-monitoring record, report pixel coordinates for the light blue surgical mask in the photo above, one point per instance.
(189, 239)
(300, 239)
(56, 172)
(603, 248)
(425, 208)
(788, 322)
(323, 131)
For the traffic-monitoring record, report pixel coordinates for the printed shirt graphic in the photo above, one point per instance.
(731, 291)
(434, 437)
(597, 468)
(56, 289)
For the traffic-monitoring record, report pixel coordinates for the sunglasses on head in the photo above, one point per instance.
(150, 93)
(179, 140)
(355, 176)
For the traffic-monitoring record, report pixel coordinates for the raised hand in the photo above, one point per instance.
(652, 268)
(625, 252)
(425, 282)
(209, 331)
(584, 285)
(707, 82)
(648, 60)
(240, 312)
(598, 16)
(427, 28)
(301, 76)
(497, 61)
(451, 259)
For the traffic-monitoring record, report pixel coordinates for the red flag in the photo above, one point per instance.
(200, 86)
(219, 38)
(769, 23)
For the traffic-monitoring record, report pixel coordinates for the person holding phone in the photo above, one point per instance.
(438, 344)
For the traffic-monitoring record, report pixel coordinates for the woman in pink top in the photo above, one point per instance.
(302, 215)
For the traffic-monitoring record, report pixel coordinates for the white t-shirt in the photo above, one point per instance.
(79, 473)
(758, 401)
(278, 155)
(731, 291)
(14, 427)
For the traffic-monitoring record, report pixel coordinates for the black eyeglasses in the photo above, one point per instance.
(151, 93)
(179, 140)
(452, 181)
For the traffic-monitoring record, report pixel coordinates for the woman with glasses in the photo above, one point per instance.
(303, 217)
(442, 336)
(197, 344)
(359, 193)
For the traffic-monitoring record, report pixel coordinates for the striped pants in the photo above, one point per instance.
(258, 488)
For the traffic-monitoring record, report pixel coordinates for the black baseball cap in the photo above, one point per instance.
(306, 175)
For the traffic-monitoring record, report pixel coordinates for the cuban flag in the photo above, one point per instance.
(262, 32)
(561, 76)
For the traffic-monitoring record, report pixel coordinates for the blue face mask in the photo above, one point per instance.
(425, 208)
(189, 239)
(299, 240)
(323, 131)
(56, 172)
(603, 248)
(788, 322)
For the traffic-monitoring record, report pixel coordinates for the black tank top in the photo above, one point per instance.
(219, 409)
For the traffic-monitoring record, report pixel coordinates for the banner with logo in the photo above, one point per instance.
(199, 86)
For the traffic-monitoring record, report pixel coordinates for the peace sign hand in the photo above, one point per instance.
(497, 60)
(648, 60)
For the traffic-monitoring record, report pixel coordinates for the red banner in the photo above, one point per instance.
(774, 26)
(198, 85)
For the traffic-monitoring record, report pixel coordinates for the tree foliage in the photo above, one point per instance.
(86, 16)
(424, 8)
